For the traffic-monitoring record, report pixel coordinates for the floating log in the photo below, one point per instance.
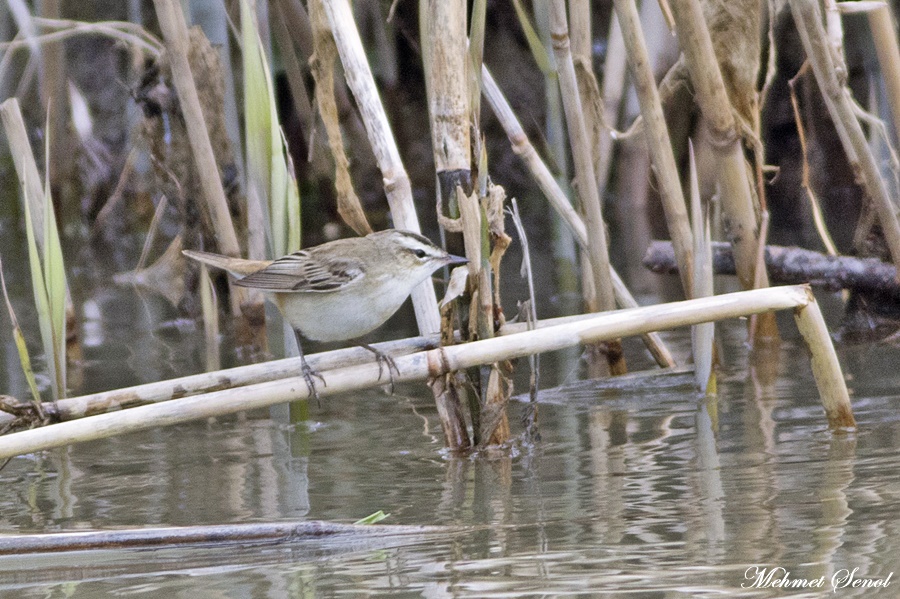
(792, 265)
(258, 533)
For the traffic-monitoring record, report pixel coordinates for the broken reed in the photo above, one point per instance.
(437, 362)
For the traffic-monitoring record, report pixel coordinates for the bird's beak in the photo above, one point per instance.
(451, 259)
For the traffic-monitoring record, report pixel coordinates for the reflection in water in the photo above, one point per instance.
(636, 485)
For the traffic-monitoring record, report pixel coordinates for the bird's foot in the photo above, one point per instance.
(308, 375)
(383, 360)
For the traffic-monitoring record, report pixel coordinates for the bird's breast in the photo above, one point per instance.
(339, 315)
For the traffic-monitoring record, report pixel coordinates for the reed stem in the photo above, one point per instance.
(434, 363)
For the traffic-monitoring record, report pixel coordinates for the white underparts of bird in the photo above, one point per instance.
(342, 289)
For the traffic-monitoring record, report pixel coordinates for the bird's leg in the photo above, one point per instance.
(383, 359)
(308, 372)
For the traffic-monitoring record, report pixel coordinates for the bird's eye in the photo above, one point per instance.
(419, 253)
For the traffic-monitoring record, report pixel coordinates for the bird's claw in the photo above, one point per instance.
(308, 374)
(383, 360)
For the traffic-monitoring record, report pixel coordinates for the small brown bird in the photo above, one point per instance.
(342, 289)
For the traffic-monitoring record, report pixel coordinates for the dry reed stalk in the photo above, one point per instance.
(734, 27)
(881, 21)
(396, 186)
(174, 29)
(486, 241)
(175, 33)
(658, 141)
(54, 95)
(298, 23)
(634, 182)
(834, 29)
(580, 29)
(589, 91)
(585, 177)
(436, 362)
(582, 154)
(564, 248)
(588, 88)
(442, 24)
(240, 376)
(531, 319)
(492, 406)
(825, 365)
(323, 63)
(805, 183)
(738, 202)
(475, 56)
(840, 106)
(130, 34)
(295, 20)
(231, 378)
(615, 69)
(481, 312)
(523, 147)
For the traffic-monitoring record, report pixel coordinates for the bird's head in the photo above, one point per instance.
(415, 253)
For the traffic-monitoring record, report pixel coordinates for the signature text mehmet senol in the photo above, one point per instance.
(758, 577)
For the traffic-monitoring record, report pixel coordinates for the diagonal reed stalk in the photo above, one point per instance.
(434, 363)
(840, 106)
(171, 21)
(118, 399)
(323, 62)
(523, 147)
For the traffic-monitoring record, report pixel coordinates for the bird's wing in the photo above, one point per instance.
(304, 272)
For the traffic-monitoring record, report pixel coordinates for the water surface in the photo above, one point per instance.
(641, 490)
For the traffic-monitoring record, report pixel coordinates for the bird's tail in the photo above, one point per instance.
(238, 267)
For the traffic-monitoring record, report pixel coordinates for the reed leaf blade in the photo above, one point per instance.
(41, 301)
(54, 277)
(21, 347)
(541, 56)
(267, 166)
(702, 335)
